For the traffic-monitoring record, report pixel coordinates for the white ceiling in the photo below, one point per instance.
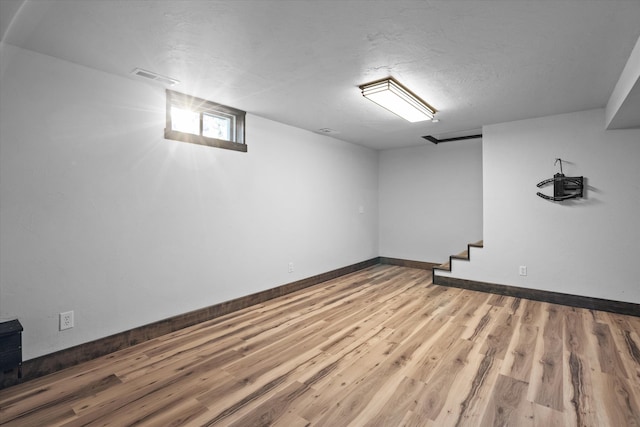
(300, 62)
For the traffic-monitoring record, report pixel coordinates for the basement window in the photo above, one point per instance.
(203, 122)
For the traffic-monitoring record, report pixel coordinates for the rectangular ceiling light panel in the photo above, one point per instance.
(391, 95)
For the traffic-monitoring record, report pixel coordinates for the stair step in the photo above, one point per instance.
(464, 255)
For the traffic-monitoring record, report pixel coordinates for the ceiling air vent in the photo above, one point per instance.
(327, 131)
(154, 76)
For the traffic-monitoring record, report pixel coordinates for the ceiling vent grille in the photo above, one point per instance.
(154, 76)
(327, 131)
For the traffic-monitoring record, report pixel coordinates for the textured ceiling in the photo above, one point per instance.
(300, 62)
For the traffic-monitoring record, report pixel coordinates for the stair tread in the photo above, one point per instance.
(445, 266)
(462, 255)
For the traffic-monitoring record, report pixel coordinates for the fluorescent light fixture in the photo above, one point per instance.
(390, 94)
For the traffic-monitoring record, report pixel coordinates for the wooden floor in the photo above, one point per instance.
(380, 347)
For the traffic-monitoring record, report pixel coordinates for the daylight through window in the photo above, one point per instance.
(203, 122)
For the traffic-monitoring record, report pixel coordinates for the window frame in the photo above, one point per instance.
(202, 106)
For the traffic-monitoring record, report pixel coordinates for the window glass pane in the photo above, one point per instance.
(183, 120)
(198, 121)
(218, 126)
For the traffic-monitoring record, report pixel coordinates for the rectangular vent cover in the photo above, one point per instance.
(154, 76)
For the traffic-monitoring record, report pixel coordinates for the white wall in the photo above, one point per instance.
(430, 200)
(583, 247)
(101, 215)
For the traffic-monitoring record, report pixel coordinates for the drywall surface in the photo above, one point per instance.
(430, 200)
(586, 246)
(623, 108)
(101, 215)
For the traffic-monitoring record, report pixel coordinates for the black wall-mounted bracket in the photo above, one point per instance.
(564, 187)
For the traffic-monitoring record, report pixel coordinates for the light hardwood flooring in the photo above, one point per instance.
(379, 347)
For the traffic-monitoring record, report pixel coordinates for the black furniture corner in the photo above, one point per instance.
(11, 346)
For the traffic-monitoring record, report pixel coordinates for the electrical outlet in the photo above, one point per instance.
(523, 270)
(290, 267)
(66, 320)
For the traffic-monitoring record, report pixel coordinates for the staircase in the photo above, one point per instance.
(464, 255)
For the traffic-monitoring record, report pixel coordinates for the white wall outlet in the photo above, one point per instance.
(361, 209)
(66, 320)
(523, 270)
(290, 267)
